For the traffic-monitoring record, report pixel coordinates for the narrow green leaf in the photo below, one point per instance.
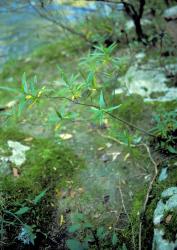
(24, 83)
(33, 83)
(21, 105)
(91, 81)
(90, 78)
(38, 198)
(137, 140)
(113, 108)
(94, 109)
(22, 210)
(101, 233)
(9, 89)
(101, 100)
(172, 150)
(99, 114)
(59, 114)
(114, 239)
(63, 75)
(74, 244)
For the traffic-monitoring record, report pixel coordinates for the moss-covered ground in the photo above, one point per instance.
(48, 166)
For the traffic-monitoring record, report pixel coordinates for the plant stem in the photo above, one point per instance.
(106, 112)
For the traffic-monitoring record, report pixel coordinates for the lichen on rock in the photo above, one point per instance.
(18, 152)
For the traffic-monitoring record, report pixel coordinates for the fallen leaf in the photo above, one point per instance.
(62, 221)
(28, 139)
(126, 157)
(96, 215)
(57, 126)
(15, 172)
(168, 218)
(72, 194)
(80, 190)
(65, 136)
(11, 104)
(100, 148)
(114, 155)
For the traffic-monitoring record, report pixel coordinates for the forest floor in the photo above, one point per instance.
(87, 169)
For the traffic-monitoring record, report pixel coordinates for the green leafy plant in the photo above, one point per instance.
(85, 234)
(165, 130)
(25, 232)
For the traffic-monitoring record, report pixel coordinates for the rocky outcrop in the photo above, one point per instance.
(17, 158)
(170, 16)
(164, 212)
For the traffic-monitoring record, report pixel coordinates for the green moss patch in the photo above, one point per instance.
(48, 166)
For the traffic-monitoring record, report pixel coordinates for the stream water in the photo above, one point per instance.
(22, 29)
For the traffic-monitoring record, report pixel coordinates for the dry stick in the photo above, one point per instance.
(147, 194)
(133, 145)
(125, 210)
(116, 140)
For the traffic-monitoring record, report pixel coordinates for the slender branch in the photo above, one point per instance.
(106, 112)
(130, 124)
(147, 196)
(126, 212)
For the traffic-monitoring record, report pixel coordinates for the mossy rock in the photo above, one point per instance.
(169, 228)
(48, 166)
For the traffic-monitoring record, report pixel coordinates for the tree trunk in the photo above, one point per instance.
(139, 31)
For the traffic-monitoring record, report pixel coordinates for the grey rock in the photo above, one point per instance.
(171, 13)
(159, 243)
(105, 158)
(163, 175)
(172, 202)
(18, 152)
(159, 212)
(169, 192)
(170, 16)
